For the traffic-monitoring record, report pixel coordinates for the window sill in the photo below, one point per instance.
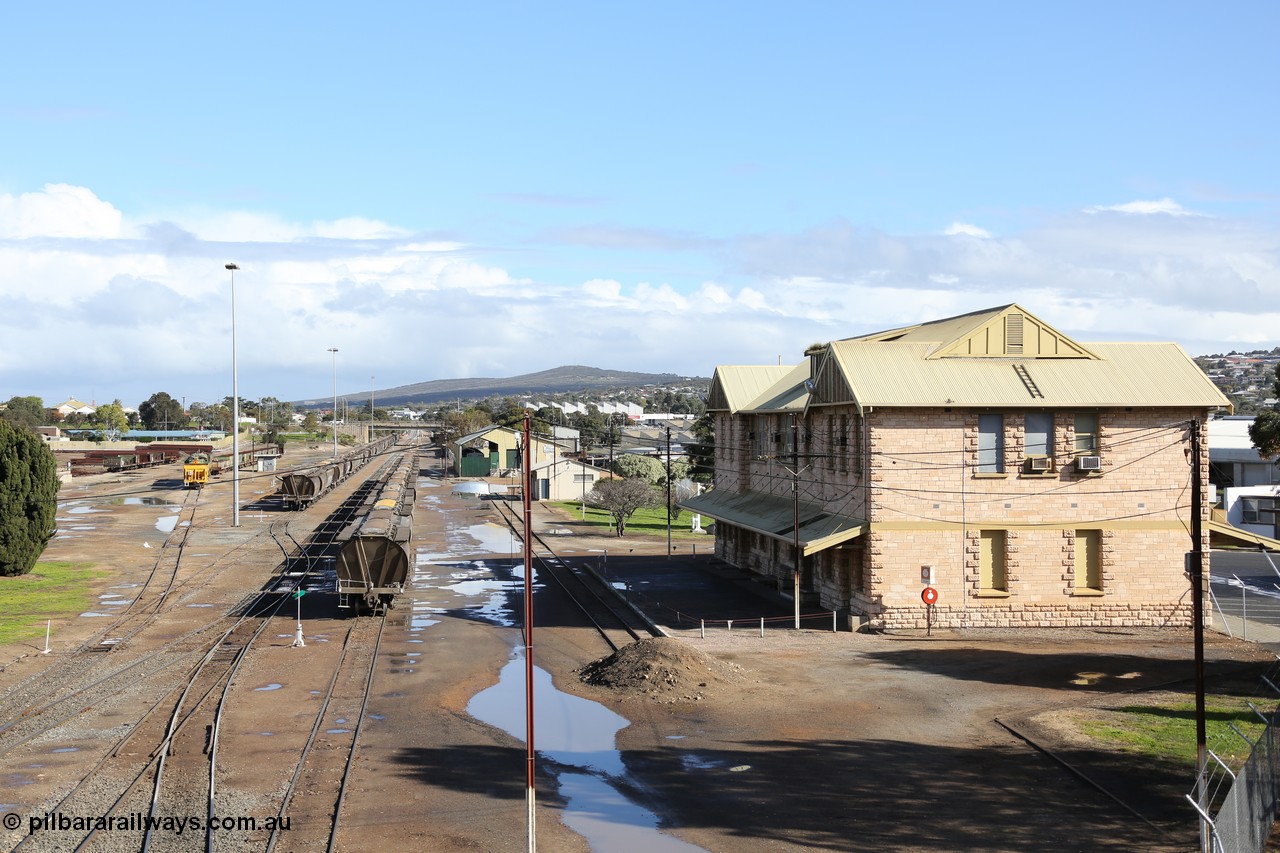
(991, 476)
(1087, 593)
(1047, 475)
(992, 593)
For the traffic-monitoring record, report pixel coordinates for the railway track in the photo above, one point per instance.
(175, 741)
(160, 739)
(324, 764)
(616, 624)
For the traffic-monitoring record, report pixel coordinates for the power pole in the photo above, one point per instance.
(530, 757)
(668, 492)
(1197, 606)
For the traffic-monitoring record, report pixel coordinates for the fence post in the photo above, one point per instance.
(1244, 609)
(833, 621)
(730, 621)
(702, 628)
(762, 627)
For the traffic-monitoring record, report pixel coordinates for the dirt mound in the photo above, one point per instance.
(666, 669)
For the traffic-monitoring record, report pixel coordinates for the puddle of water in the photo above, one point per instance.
(83, 527)
(609, 821)
(577, 733)
(146, 501)
(692, 761)
(417, 623)
(676, 737)
(267, 734)
(89, 614)
(376, 717)
(419, 641)
(62, 749)
(272, 686)
(166, 523)
(337, 731)
(84, 510)
(210, 605)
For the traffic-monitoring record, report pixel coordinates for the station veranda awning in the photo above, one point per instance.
(774, 516)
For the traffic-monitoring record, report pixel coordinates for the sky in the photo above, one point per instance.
(484, 190)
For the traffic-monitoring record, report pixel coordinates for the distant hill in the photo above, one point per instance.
(558, 380)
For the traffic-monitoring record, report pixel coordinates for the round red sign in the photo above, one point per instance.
(929, 595)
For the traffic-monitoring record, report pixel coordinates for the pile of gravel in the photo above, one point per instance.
(667, 670)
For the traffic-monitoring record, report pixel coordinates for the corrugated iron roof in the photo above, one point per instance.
(775, 516)
(733, 385)
(1129, 374)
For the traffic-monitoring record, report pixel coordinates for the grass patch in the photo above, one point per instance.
(650, 521)
(1167, 731)
(51, 590)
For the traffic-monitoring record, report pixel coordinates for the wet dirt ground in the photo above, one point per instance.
(827, 741)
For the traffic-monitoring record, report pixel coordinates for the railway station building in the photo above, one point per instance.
(1024, 477)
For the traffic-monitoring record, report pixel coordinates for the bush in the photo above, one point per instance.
(28, 498)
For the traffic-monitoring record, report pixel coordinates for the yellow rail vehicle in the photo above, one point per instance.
(197, 469)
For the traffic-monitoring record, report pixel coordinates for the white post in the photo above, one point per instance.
(730, 622)
(762, 627)
(297, 636)
(833, 621)
(235, 410)
(47, 624)
(702, 628)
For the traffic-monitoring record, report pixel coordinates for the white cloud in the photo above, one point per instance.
(58, 210)
(966, 229)
(1145, 208)
(145, 306)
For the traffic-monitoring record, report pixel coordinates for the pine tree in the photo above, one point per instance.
(28, 498)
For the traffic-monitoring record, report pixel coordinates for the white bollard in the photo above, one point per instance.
(833, 621)
(48, 623)
(702, 628)
(730, 626)
(762, 627)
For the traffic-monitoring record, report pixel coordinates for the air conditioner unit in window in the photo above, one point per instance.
(1089, 463)
(1038, 464)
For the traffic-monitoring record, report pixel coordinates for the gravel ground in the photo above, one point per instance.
(800, 740)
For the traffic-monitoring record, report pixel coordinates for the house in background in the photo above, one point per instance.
(74, 407)
(495, 450)
(1029, 479)
(1233, 460)
(565, 480)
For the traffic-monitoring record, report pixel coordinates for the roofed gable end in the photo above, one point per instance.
(1010, 332)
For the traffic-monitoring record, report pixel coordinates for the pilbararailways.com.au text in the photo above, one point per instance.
(140, 822)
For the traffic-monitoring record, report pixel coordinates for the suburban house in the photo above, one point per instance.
(494, 450)
(565, 480)
(74, 407)
(989, 461)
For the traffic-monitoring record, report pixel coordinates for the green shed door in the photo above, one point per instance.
(513, 459)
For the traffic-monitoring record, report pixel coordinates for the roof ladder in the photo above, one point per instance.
(1025, 376)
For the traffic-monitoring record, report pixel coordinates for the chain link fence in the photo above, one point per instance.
(1238, 804)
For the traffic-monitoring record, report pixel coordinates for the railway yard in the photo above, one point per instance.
(185, 700)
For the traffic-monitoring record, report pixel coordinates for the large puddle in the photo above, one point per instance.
(574, 737)
(577, 736)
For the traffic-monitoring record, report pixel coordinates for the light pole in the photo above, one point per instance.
(371, 387)
(235, 410)
(334, 350)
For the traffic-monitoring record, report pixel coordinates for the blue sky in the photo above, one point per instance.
(442, 191)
